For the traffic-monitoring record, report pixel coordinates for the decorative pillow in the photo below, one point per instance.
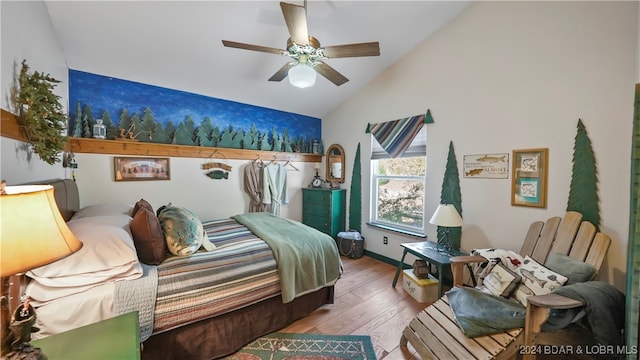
(141, 204)
(500, 281)
(536, 280)
(575, 271)
(182, 230)
(102, 210)
(148, 237)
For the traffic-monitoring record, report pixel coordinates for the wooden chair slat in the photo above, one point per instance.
(545, 241)
(582, 242)
(532, 238)
(460, 345)
(598, 250)
(567, 232)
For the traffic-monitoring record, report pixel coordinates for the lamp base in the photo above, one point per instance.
(26, 352)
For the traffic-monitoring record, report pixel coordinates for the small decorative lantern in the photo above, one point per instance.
(99, 130)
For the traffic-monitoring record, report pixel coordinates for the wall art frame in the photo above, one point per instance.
(141, 168)
(486, 166)
(529, 177)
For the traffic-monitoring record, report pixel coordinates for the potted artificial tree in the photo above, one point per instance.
(40, 114)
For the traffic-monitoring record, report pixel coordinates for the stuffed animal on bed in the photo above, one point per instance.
(182, 230)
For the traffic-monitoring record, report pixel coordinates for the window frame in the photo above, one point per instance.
(373, 208)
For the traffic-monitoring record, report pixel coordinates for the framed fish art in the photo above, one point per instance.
(486, 166)
(141, 168)
(529, 177)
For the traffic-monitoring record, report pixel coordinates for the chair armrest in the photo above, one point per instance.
(457, 266)
(553, 301)
(538, 310)
(468, 259)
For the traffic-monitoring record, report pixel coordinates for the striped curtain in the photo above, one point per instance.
(397, 135)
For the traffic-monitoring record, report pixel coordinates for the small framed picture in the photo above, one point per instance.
(529, 180)
(141, 168)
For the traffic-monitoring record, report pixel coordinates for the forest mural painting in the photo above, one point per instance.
(159, 115)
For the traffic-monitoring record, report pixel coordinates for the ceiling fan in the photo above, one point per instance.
(305, 51)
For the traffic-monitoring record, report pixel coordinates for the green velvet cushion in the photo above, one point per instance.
(576, 271)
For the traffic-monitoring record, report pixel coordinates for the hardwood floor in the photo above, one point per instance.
(366, 304)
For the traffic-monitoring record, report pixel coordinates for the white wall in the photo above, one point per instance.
(504, 76)
(27, 34)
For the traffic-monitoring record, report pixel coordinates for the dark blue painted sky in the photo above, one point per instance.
(106, 93)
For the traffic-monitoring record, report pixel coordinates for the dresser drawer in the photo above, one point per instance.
(322, 210)
(319, 223)
(317, 197)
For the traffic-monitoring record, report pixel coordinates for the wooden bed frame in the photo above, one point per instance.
(213, 337)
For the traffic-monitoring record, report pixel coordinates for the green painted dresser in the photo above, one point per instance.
(324, 209)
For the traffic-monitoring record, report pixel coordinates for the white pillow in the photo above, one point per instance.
(103, 210)
(536, 280)
(107, 253)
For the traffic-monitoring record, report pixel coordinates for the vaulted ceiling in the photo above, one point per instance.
(178, 44)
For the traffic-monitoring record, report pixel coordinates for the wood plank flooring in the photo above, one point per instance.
(366, 304)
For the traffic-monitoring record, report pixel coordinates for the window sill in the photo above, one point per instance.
(397, 230)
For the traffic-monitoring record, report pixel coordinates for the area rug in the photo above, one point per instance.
(281, 346)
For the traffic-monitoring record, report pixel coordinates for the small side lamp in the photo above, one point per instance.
(32, 234)
(446, 216)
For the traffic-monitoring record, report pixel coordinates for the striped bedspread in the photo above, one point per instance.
(239, 272)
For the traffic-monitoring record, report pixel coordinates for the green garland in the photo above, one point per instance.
(40, 114)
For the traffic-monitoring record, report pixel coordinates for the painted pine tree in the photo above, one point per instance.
(450, 194)
(583, 194)
(355, 198)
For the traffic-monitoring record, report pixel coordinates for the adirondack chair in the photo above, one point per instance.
(435, 334)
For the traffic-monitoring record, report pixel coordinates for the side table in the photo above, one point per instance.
(115, 338)
(426, 250)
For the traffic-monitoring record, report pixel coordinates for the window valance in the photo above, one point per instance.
(398, 138)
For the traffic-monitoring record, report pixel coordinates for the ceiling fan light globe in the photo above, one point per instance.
(302, 76)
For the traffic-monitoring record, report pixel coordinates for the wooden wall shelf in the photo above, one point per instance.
(9, 128)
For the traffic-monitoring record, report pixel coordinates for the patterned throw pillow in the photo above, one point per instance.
(182, 230)
(536, 280)
(500, 281)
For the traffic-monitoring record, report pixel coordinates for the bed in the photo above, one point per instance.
(246, 282)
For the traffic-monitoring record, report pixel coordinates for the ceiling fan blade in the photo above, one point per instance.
(282, 73)
(296, 18)
(244, 46)
(352, 50)
(330, 73)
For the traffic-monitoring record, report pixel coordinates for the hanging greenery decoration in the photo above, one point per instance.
(40, 114)
(583, 194)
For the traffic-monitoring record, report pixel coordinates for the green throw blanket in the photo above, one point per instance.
(307, 258)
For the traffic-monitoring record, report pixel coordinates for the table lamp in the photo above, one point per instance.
(446, 216)
(32, 234)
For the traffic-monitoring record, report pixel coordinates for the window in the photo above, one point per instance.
(398, 185)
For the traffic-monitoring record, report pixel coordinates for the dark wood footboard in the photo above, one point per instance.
(225, 334)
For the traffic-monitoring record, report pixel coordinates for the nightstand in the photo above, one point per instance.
(115, 338)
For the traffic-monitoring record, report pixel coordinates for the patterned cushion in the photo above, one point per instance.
(536, 280)
(182, 230)
(500, 281)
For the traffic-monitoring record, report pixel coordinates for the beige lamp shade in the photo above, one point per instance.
(446, 215)
(32, 230)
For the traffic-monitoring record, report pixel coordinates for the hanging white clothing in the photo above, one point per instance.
(275, 187)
